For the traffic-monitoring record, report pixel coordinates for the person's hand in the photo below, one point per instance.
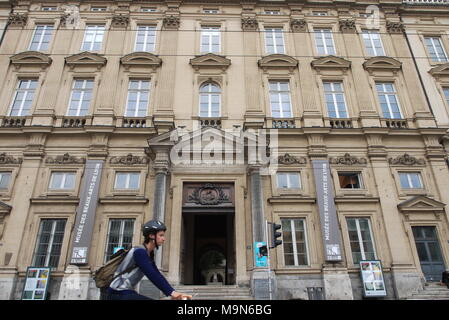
(180, 296)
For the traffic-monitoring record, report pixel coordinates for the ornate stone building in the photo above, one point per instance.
(129, 85)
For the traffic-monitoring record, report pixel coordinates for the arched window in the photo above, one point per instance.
(210, 100)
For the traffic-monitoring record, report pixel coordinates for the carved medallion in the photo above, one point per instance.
(289, 159)
(129, 160)
(406, 160)
(209, 194)
(65, 159)
(348, 160)
(4, 159)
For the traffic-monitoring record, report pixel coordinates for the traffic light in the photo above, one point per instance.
(263, 251)
(275, 235)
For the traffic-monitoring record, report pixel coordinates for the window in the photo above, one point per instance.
(120, 236)
(80, 97)
(98, 9)
(373, 43)
(93, 38)
(446, 95)
(41, 38)
(49, 8)
(5, 177)
(435, 48)
(294, 242)
(324, 41)
(210, 39)
(127, 180)
(361, 240)
(280, 99)
(49, 243)
(319, 13)
(23, 98)
(138, 97)
(213, 11)
(335, 99)
(145, 39)
(272, 12)
(62, 180)
(350, 180)
(145, 9)
(210, 100)
(274, 40)
(288, 180)
(388, 100)
(410, 180)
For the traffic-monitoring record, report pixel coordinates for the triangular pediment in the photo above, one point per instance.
(86, 59)
(210, 60)
(141, 59)
(382, 63)
(331, 62)
(421, 204)
(277, 61)
(31, 58)
(4, 208)
(441, 70)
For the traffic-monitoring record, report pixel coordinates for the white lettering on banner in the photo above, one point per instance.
(326, 204)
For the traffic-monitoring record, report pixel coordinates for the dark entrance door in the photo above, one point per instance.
(429, 252)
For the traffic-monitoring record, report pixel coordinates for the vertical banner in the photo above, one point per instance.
(85, 213)
(328, 213)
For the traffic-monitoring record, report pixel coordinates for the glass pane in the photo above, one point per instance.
(4, 179)
(134, 181)
(120, 181)
(56, 180)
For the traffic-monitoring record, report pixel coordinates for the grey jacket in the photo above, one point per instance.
(127, 281)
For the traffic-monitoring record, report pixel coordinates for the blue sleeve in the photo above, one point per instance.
(150, 269)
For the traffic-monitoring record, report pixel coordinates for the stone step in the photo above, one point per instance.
(428, 298)
(216, 292)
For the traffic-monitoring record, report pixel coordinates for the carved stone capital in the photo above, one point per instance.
(171, 22)
(65, 159)
(129, 160)
(249, 24)
(348, 160)
(347, 25)
(17, 19)
(298, 25)
(4, 159)
(120, 21)
(395, 27)
(406, 160)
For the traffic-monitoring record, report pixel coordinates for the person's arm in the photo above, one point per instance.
(151, 272)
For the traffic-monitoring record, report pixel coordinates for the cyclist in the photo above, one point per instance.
(142, 259)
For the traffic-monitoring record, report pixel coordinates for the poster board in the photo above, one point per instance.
(261, 261)
(372, 278)
(36, 283)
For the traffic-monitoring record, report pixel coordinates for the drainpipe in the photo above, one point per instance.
(6, 25)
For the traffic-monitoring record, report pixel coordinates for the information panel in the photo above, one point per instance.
(373, 278)
(36, 283)
(261, 260)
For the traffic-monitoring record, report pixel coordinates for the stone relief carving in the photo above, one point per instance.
(347, 25)
(17, 19)
(298, 25)
(120, 21)
(406, 160)
(395, 27)
(128, 160)
(249, 24)
(209, 194)
(65, 159)
(289, 159)
(4, 159)
(171, 22)
(348, 160)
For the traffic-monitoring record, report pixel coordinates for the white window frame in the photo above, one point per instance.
(148, 9)
(359, 236)
(210, 11)
(50, 242)
(128, 178)
(96, 29)
(272, 12)
(319, 13)
(271, 32)
(148, 32)
(386, 93)
(279, 92)
(98, 9)
(83, 90)
(294, 243)
(8, 175)
(321, 32)
(334, 94)
(139, 92)
(410, 181)
(210, 32)
(63, 181)
(289, 177)
(369, 37)
(47, 8)
(437, 56)
(209, 95)
(121, 233)
(47, 27)
(27, 91)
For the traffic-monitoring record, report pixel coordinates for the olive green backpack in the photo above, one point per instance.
(105, 275)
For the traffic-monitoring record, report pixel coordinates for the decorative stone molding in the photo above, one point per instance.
(249, 24)
(421, 205)
(382, 64)
(17, 19)
(85, 59)
(298, 25)
(65, 159)
(4, 159)
(4, 211)
(347, 25)
(278, 61)
(120, 21)
(141, 59)
(331, 62)
(395, 27)
(441, 71)
(30, 58)
(348, 160)
(210, 60)
(209, 195)
(171, 22)
(128, 160)
(288, 159)
(406, 160)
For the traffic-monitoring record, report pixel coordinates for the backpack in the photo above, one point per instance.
(105, 275)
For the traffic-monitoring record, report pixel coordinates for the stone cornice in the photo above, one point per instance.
(30, 58)
(440, 71)
(210, 60)
(141, 59)
(331, 62)
(85, 59)
(278, 61)
(382, 63)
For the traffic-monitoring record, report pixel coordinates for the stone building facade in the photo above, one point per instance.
(126, 83)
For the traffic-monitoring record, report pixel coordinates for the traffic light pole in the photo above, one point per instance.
(268, 259)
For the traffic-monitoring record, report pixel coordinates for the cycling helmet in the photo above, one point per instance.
(152, 227)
